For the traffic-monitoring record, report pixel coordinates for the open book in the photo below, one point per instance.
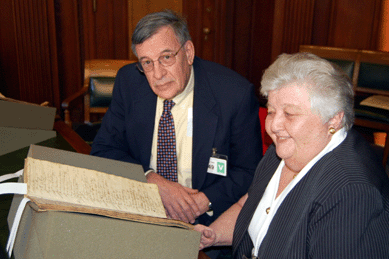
(55, 186)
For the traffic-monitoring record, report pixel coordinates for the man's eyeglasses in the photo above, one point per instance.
(166, 60)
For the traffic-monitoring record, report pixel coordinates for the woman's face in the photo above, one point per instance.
(298, 133)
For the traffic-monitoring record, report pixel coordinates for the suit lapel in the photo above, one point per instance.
(264, 172)
(145, 108)
(204, 125)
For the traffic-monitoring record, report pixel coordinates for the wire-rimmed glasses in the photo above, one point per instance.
(166, 60)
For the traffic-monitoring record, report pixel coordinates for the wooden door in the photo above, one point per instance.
(209, 25)
(236, 34)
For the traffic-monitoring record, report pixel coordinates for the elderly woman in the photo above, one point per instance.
(320, 191)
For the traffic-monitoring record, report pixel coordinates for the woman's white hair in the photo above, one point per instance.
(329, 87)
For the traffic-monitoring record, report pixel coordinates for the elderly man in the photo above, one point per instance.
(192, 124)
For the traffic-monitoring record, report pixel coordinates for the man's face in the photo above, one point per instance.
(167, 82)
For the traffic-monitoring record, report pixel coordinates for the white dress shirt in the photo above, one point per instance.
(182, 113)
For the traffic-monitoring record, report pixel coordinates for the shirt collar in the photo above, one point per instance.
(188, 89)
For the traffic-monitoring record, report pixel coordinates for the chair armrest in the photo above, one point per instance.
(67, 101)
(65, 104)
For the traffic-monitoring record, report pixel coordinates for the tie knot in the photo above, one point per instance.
(167, 105)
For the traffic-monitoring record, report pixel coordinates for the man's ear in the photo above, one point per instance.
(189, 51)
(336, 121)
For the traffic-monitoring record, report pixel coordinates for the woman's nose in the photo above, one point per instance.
(276, 122)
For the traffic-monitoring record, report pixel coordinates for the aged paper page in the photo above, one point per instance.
(79, 186)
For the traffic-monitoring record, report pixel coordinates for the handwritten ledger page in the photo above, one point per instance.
(56, 184)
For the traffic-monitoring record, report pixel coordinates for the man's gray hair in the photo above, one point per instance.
(330, 89)
(151, 23)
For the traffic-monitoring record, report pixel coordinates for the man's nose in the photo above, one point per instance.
(159, 70)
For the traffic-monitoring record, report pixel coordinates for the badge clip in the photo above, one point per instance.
(217, 164)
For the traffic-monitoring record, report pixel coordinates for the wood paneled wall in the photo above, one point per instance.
(108, 25)
(138, 9)
(384, 27)
(39, 50)
(293, 24)
(205, 19)
(105, 29)
(69, 47)
(29, 51)
(43, 42)
(247, 36)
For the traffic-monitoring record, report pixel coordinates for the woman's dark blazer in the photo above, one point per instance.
(339, 209)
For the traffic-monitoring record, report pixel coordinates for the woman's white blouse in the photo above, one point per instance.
(261, 220)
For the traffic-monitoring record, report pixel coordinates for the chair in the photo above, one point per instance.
(99, 78)
(373, 79)
(266, 140)
(369, 72)
(344, 58)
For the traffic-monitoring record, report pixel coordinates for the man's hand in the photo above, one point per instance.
(202, 201)
(177, 199)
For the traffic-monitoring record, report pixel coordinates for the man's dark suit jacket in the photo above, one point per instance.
(225, 117)
(340, 209)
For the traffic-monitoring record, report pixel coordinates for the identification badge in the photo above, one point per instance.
(217, 164)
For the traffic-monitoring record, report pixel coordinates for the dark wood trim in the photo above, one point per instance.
(72, 137)
(202, 255)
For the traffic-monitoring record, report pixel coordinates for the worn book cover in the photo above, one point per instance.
(62, 229)
(55, 186)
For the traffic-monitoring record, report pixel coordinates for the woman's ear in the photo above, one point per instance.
(189, 51)
(336, 121)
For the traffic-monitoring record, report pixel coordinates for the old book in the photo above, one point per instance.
(55, 186)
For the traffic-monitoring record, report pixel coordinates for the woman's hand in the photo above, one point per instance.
(220, 232)
(208, 236)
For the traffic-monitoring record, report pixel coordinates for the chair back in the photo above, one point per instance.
(373, 74)
(266, 140)
(344, 58)
(99, 78)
